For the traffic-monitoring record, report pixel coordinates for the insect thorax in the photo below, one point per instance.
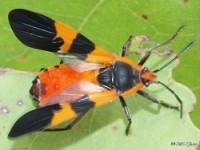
(120, 76)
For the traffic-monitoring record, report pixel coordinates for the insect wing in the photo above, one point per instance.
(41, 32)
(41, 118)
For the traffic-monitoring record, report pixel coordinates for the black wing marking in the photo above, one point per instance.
(35, 120)
(34, 30)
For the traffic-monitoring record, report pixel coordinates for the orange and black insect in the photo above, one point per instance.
(87, 77)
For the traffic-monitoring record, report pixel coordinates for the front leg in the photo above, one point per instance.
(137, 48)
(134, 40)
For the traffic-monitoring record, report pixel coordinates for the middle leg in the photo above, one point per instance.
(126, 110)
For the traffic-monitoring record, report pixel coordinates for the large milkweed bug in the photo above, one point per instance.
(87, 77)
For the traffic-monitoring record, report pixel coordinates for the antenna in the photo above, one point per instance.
(177, 56)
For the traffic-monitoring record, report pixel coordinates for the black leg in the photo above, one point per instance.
(176, 96)
(169, 40)
(146, 56)
(139, 40)
(153, 99)
(144, 59)
(126, 110)
(71, 125)
(126, 46)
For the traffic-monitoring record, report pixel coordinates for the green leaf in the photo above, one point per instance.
(109, 24)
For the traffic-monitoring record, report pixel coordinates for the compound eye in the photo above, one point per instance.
(146, 82)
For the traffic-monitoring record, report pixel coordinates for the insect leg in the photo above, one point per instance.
(144, 59)
(126, 110)
(153, 99)
(134, 40)
(146, 56)
(169, 40)
(71, 125)
(140, 39)
(126, 46)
